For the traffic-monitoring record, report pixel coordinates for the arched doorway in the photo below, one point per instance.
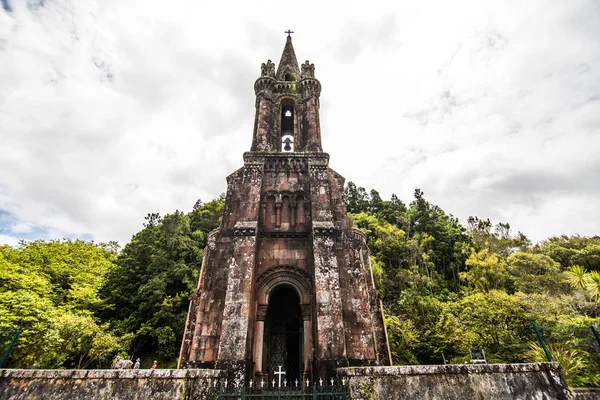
(284, 335)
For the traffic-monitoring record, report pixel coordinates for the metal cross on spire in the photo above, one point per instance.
(289, 32)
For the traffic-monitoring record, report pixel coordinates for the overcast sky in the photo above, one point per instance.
(112, 109)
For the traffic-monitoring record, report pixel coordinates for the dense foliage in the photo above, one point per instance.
(156, 272)
(50, 289)
(83, 304)
(447, 289)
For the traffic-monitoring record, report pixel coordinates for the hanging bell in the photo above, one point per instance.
(287, 144)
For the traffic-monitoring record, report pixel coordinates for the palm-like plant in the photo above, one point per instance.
(572, 361)
(592, 285)
(577, 276)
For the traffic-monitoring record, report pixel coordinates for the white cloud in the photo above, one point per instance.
(110, 110)
(9, 240)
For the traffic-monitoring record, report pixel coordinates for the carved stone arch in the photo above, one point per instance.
(284, 275)
(284, 326)
(285, 96)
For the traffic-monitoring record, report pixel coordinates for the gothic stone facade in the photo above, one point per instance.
(286, 280)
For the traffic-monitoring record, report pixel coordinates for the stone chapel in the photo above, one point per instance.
(286, 280)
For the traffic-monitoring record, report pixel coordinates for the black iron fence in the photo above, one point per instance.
(331, 390)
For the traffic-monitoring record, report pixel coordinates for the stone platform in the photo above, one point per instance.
(458, 382)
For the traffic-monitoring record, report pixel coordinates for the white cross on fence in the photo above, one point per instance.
(280, 373)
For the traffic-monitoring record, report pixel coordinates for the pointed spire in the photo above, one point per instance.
(288, 62)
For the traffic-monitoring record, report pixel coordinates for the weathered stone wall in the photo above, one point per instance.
(449, 382)
(586, 394)
(106, 384)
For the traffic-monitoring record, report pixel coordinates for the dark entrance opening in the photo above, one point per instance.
(283, 336)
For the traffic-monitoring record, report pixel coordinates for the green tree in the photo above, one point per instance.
(357, 199)
(449, 240)
(497, 238)
(494, 321)
(45, 287)
(573, 250)
(535, 273)
(157, 271)
(403, 337)
(485, 271)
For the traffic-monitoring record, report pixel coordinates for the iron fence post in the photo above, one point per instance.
(537, 332)
(10, 347)
(595, 332)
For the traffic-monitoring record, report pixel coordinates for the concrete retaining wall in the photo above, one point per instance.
(448, 382)
(188, 384)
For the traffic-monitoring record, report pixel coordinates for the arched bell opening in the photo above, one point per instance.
(287, 126)
(283, 335)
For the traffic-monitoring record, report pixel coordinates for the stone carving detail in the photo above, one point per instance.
(263, 87)
(283, 212)
(310, 88)
(318, 171)
(305, 309)
(244, 228)
(261, 312)
(285, 164)
(288, 273)
(308, 70)
(285, 88)
(252, 172)
(323, 227)
(267, 69)
(359, 235)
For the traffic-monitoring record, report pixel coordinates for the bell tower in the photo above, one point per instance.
(286, 280)
(287, 106)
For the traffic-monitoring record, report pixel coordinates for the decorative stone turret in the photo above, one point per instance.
(285, 280)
